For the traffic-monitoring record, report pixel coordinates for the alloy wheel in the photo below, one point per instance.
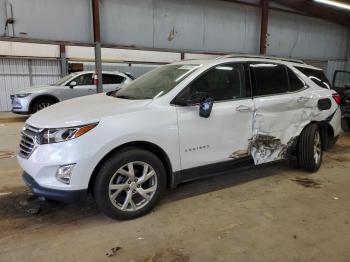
(132, 186)
(317, 148)
(43, 105)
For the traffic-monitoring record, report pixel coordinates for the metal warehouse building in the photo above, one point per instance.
(175, 130)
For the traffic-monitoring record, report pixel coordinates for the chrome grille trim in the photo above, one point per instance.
(28, 143)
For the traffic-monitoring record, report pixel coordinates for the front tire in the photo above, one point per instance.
(310, 148)
(41, 104)
(129, 184)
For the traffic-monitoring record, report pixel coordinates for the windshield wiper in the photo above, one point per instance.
(125, 97)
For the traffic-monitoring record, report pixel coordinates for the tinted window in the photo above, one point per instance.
(224, 82)
(341, 79)
(316, 76)
(85, 79)
(269, 79)
(64, 79)
(295, 83)
(112, 79)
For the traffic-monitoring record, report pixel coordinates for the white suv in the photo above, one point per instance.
(177, 123)
(31, 100)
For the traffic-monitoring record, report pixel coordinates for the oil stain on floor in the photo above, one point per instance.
(307, 182)
(7, 154)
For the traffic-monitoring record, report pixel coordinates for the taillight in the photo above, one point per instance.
(337, 98)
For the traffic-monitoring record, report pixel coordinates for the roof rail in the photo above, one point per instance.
(263, 57)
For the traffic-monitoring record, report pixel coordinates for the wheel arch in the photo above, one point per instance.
(51, 97)
(326, 131)
(155, 149)
(327, 135)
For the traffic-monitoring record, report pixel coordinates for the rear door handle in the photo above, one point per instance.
(243, 108)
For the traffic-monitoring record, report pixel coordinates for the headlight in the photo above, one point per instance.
(56, 135)
(22, 95)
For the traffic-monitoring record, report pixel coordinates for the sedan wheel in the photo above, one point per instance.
(43, 105)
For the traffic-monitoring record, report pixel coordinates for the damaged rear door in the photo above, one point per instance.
(281, 103)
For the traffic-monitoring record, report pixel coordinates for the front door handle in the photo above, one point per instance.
(243, 108)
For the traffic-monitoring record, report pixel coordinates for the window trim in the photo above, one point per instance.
(247, 87)
(306, 86)
(297, 67)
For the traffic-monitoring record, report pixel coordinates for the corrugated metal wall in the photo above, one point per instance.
(209, 26)
(135, 69)
(17, 74)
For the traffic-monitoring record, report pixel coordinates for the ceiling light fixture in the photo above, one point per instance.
(334, 3)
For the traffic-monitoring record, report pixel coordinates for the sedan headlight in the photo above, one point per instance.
(56, 135)
(23, 95)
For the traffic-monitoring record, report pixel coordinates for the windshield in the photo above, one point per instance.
(64, 79)
(158, 82)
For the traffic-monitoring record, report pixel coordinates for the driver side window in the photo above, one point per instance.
(223, 82)
(82, 80)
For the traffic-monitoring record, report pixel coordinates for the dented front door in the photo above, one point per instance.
(225, 134)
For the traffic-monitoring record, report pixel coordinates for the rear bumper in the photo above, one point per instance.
(67, 196)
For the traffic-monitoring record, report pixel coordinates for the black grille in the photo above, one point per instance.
(27, 145)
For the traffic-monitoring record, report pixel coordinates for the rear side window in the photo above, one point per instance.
(269, 79)
(295, 83)
(316, 76)
(112, 79)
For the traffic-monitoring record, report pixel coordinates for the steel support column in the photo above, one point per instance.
(97, 42)
(63, 61)
(264, 24)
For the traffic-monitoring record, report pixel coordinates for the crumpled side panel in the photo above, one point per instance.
(278, 121)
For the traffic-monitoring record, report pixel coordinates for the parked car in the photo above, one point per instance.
(341, 83)
(31, 100)
(177, 123)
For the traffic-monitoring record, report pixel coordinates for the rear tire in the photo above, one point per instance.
(41, 104)
(310, 148)
(345, 124)
(129, 183)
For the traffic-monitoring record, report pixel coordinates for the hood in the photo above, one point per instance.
(35, 89)
(84, 110)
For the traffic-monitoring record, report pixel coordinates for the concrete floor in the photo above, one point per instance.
(272, 213)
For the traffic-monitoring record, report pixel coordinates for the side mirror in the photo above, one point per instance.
(205, 107)
(72, 84)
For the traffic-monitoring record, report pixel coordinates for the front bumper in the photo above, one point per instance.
(67, 196)
(20, 105)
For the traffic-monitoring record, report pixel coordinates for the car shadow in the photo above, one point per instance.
(218, 182)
